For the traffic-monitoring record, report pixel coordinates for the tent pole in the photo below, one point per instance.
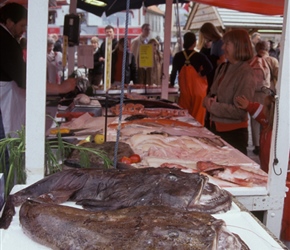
(280, 141)
(36, 90)
(166, 53)
(72, 49)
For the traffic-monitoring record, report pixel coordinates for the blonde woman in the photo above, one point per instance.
(209, 33)
(96, 73)
(154, 74)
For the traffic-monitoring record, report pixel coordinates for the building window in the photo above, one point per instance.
(83, 17)
(52, 14)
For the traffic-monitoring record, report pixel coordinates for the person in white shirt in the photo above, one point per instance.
(54, 63)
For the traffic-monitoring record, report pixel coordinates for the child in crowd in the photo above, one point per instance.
(264, 114)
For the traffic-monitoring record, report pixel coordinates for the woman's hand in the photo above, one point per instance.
(208, 101)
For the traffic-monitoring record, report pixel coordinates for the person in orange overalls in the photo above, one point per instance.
(192, 81)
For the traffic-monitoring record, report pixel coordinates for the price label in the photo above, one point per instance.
(146, 56)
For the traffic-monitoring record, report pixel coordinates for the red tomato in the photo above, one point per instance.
(126, 160)
(135, 158)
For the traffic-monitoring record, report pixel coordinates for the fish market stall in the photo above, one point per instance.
(158, 139)
(36, 94)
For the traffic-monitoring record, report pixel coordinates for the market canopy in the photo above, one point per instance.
(267, 7)
(114, 6)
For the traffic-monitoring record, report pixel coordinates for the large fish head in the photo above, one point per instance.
(213, 199)
(176, 188)
(193, 192)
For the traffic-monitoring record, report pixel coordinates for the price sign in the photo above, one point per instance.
(146, 56)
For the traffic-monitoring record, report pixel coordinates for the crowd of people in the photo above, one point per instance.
(133, 72)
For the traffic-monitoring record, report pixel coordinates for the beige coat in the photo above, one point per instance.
(135, 45)
(239, 80)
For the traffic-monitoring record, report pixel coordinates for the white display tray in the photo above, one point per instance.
(242, 223)
(250, 231)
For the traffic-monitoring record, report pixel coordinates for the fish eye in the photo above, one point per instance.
(173, 234)
(172, 177)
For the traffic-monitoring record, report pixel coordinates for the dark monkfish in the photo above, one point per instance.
(111, 189)
(141, 227)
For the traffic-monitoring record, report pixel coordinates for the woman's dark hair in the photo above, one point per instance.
(242, 44)
(13, 11)
(189, 39)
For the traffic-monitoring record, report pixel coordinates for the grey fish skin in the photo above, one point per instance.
(114, 189)
(154, 227)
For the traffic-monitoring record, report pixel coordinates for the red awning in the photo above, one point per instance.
(266, 7)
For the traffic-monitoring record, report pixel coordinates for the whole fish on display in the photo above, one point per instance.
(141, 227)
(99, 190)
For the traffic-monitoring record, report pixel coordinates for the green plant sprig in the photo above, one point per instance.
(55, 152)
(16, 148)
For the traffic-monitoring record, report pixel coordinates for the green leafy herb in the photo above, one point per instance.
(55, 153)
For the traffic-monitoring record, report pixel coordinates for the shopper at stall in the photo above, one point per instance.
(96, 73)
(272, 50)
(262, 48)
(57, 43)
(154, 74)
(54, 63)
(143, 38)
(209, 33)
(192, 68)
(266, 72)
(264, 114)
(117, 62)
(255, 38)
(232, 79)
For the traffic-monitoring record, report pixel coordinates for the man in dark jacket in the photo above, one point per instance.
(110, 34)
